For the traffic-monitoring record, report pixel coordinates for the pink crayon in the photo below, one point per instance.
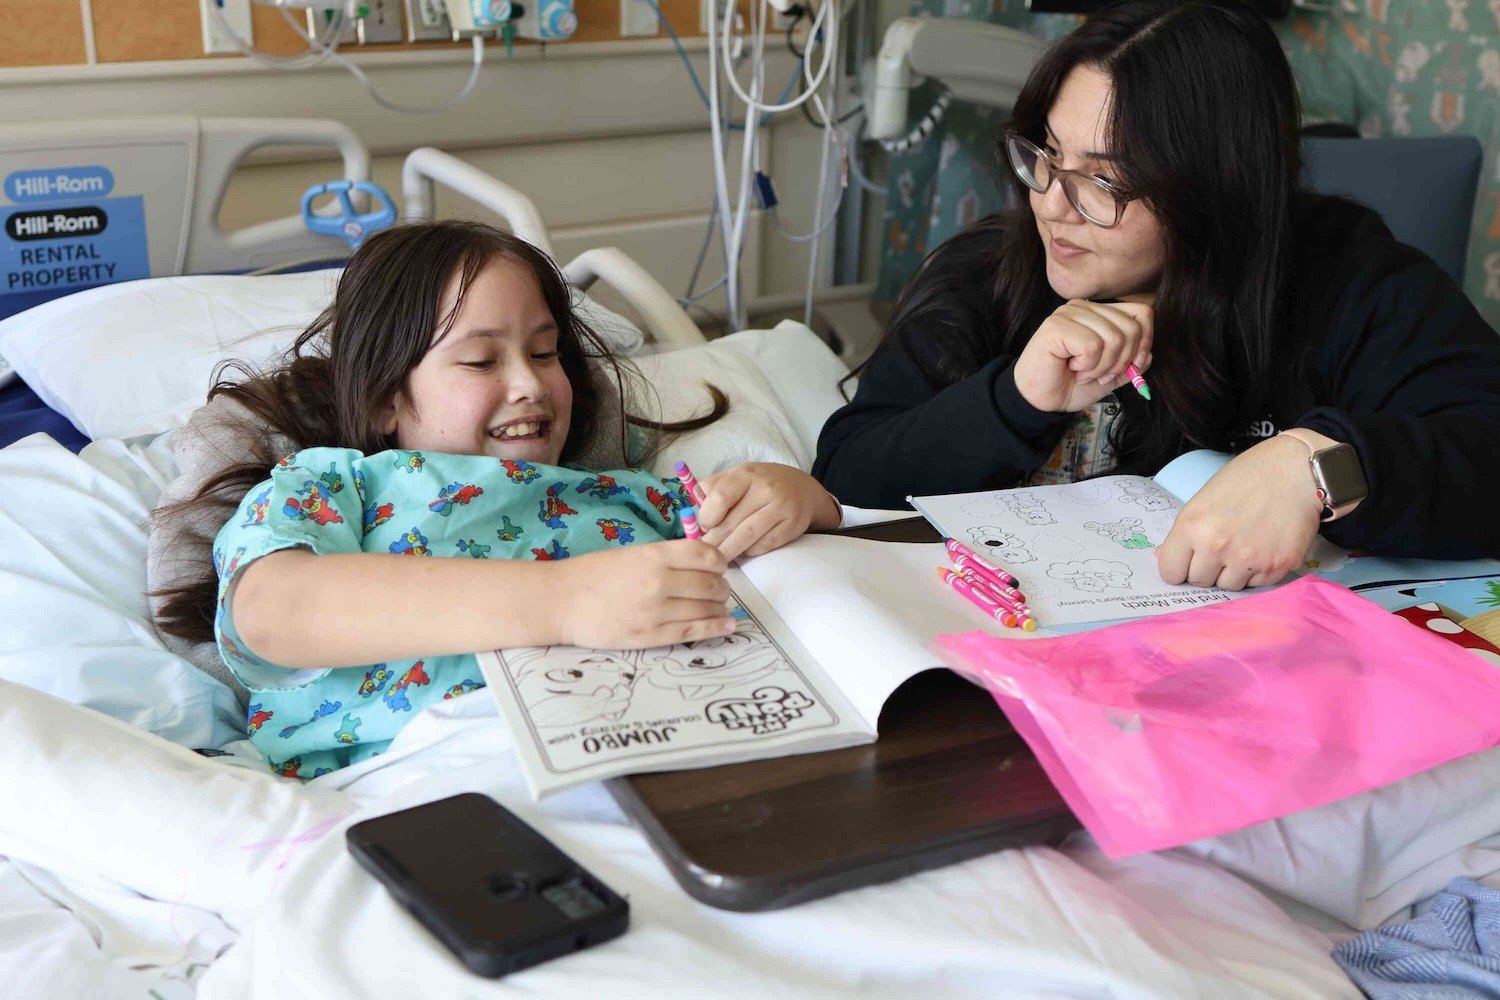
(695, 492)
(988, 586)
(690, 523)
(957, 548)
(1019, 614)
(987, 574)
(984, 602)
(1134, 374)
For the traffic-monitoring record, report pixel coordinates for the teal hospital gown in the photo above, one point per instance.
(308, 722)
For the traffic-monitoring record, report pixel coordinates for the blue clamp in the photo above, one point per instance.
(350, 226)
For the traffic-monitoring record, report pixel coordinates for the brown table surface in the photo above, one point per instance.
(948, 779)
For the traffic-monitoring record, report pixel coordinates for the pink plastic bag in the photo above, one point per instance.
(1194, 724)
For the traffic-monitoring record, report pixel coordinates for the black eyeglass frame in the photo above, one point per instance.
(1015, 144)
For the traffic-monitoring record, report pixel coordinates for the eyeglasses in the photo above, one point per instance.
(1095, 198)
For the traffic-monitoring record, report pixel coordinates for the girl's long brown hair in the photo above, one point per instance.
(355, 358)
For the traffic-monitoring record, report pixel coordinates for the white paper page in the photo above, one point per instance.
(1084, 552)
(867, 610)
(584, 715)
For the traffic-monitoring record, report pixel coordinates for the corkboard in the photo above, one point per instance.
(142, 30)
(41, 32)
(50, 32)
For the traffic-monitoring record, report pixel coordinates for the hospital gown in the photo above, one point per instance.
(308, 722)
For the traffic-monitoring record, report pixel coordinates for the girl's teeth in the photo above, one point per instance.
(520, 430)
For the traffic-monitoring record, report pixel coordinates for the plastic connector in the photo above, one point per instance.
(765, 191)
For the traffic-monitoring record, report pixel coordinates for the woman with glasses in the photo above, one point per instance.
(1159, 222)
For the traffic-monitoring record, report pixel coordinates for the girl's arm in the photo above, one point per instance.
(300, 609)
(759, 506)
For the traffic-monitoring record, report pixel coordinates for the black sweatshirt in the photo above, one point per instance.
(1399, 364)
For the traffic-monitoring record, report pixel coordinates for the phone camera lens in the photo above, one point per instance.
(505, 887)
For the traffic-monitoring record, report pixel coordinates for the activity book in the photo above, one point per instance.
(1085, 552)
(828, 628)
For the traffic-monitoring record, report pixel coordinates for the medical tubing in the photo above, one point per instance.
(812, 253)
(360, 75)
(721, 182)
(740, 320)
(925, 126)
(830, 44)
(708, 238)
(687, 62)
(302, 60)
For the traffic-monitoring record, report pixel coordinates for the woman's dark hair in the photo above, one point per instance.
(1205, 124)
(344, 369)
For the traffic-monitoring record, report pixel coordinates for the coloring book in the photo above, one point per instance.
(829, 627)
(1085, 552)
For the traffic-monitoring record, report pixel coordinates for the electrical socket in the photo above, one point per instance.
(381, 24)
(237, 13)
(427, 21)
(637, 19)
(317, 21)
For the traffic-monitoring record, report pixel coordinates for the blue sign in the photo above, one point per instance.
(59, 182)
(49, 250)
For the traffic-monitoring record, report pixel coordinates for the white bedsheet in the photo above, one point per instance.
(145, 844)
(138, 867)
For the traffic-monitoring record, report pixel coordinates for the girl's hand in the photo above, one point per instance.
(1249, 526)
(760, 506)
(1079, 353)
(642, 595)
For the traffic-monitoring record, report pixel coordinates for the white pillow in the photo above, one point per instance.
(756, 428)
(72, 582)
(137, 357)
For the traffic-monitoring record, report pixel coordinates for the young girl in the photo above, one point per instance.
(439, 419)
(1160, 222)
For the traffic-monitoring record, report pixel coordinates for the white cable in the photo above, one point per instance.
(738, 319)
(362, 77)
(830, 45)
(829, 131)
(302, 60)
(721, 182)
(90, 48)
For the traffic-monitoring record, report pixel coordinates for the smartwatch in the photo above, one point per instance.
(1338, 477)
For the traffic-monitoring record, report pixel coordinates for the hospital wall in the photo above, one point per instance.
(608, 136)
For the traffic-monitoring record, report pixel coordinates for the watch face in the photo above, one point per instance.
(1340, 475)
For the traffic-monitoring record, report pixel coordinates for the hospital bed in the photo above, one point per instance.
(132, 864)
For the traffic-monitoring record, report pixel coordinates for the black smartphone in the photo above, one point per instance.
(500, 895)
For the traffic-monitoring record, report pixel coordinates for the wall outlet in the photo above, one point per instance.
(317, 23)
(381, 24)
(237, 13)
(427, 21)
(637, 19)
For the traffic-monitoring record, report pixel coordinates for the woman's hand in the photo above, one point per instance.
(642, 595)
(1079, 353)
(760, 506)
(1250, 525)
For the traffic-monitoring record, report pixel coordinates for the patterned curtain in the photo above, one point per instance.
(1385, 67)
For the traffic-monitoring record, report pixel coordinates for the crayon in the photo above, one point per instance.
(988, 575)
(957, 548)
(984, 602)
(695, 492)
(1134, 374)
(690, 523)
